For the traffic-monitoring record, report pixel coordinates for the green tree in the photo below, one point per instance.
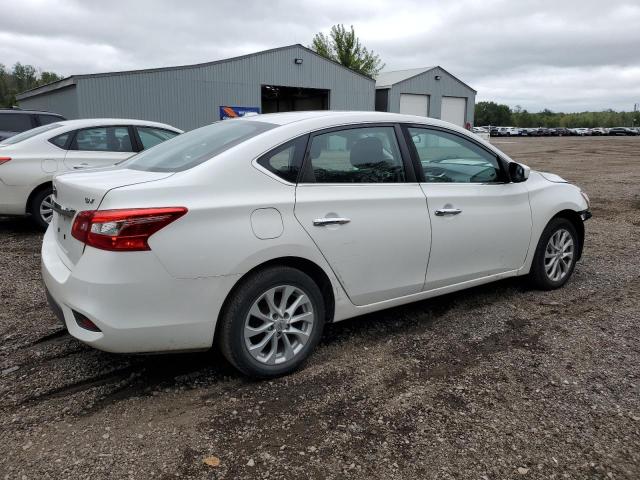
(342, 45)
(48, 77)
(21, 78)
(491, 113)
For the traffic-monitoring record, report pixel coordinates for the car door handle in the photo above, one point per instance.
(80, 166)
(319, 222)
(441, 212)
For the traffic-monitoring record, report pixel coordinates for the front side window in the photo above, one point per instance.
(15, 122)
(103, 139)
(197, 146)
(150, 136)
(446, 157)
(356, 155)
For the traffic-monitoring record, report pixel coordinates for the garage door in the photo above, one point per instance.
(454, 110)
(412, 104)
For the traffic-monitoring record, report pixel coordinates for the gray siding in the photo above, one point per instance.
(63, 101)
(425, 83)
(190, 97)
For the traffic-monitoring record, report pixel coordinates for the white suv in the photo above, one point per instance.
(29, 160)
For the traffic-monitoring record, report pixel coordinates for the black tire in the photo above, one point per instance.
(34, 207)
(538, 274)
(230, 335)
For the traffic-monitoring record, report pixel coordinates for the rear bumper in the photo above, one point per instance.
(131, 298)
(585, 215)
(13, 199)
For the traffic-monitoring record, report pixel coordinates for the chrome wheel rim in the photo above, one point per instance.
(558, 255)
(279, 325)
(46, 208)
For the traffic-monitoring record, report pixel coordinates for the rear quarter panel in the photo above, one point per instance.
(216, 236)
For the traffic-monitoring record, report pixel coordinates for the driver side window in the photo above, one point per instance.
(445, 157)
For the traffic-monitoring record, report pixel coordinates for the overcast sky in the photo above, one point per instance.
(566, 55)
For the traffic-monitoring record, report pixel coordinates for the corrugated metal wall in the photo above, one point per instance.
(426, 83)
(190, 97)
(63, 101)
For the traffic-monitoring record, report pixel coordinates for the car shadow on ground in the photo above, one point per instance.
(18, 225)
(129, 376)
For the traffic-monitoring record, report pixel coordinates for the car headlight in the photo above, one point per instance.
(586, 198)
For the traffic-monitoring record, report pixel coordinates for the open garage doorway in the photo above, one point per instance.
(287, 99)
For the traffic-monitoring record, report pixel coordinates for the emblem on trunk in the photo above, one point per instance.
(89, 201)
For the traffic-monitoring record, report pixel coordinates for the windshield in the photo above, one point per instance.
(195, 147)
(30, 133)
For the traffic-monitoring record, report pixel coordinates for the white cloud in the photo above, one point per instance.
(570, 55)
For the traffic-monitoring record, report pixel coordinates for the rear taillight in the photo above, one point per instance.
(4, 160)
(122, 230)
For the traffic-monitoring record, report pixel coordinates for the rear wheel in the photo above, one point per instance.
(273, 322)
(41, 208)
(555, 256)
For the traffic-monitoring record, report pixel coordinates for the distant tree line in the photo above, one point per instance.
(491, 113)
(21, 78)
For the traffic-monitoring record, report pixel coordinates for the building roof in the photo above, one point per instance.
(389, 79)
(72, 80)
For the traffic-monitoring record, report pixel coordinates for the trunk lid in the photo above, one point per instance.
(80, 191)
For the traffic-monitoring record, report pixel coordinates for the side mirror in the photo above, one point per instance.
(518, 172)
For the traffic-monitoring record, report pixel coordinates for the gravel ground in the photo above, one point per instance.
(495, 382)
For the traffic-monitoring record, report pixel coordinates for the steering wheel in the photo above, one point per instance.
(436, 175)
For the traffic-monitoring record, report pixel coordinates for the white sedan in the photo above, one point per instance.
(29, 160)
(253, 233)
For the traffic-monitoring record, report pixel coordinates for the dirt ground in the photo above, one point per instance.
(497, 382)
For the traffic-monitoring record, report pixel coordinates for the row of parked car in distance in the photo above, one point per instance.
(556, 132)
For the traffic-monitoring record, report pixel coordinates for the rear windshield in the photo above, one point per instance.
(195, 147)
(30, 133)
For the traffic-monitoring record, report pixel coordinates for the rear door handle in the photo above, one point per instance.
(80, 166)
(441, 212)
(319, 222)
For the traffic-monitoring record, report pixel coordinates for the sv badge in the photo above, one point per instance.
(89, 201)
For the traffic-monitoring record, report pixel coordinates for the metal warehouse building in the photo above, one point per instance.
(430, 91)
(281, 79)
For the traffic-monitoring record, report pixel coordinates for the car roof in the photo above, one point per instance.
(30, 112)
(327, 118)
(99, 122)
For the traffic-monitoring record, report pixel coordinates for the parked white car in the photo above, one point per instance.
(253, 233)
(509, 131)
(29, 160)
(582, 131)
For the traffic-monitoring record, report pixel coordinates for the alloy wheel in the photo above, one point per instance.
(279, 325)
(559, 254)
(46, 208)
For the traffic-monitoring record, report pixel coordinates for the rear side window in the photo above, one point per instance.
(150, 137)
(103, 139)
(60, 140)
(197, 146)
(15, 122)
(47, 119)
(285, 160)
(356, 155)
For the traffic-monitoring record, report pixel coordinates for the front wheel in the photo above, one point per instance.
(556, 255)
(42, 208)
(272, 323)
